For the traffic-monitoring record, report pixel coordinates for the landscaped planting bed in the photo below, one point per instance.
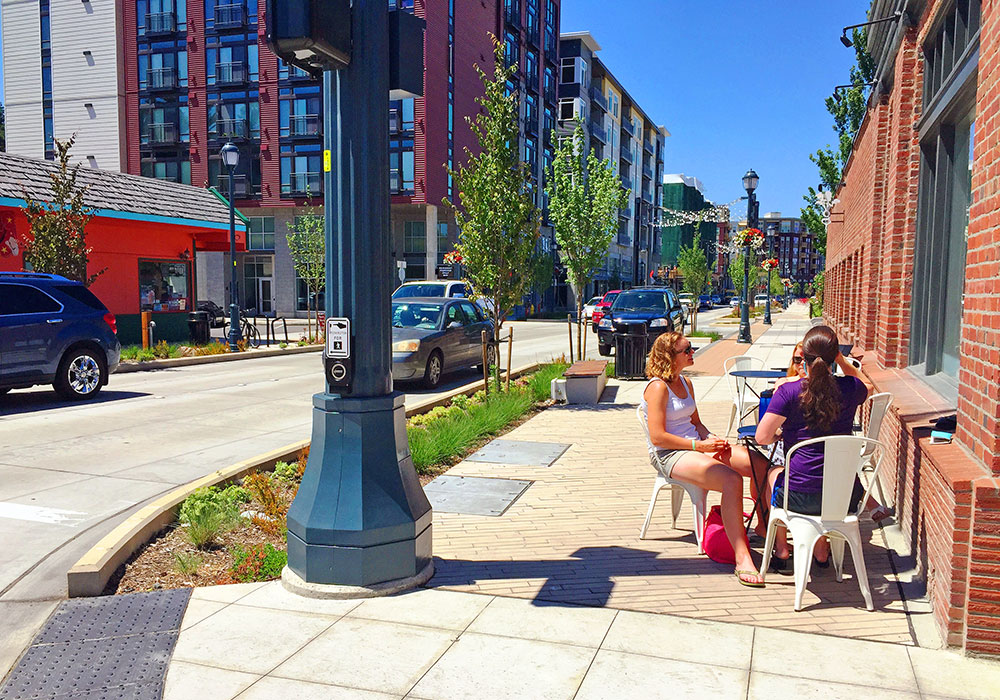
(238, 533)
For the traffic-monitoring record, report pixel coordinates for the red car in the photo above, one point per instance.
(602, 307)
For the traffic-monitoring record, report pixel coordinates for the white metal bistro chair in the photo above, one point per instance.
(843, 456)
(879, 406)
(739, 389)
(697, 494)
(818, 321)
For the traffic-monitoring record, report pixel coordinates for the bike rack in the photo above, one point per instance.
(272, 332)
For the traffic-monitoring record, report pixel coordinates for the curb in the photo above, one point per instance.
(93, 570)
(129, 367)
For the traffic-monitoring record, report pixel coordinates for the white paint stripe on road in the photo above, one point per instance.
(52, 516)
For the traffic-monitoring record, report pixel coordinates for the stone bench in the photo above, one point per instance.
(585, 381)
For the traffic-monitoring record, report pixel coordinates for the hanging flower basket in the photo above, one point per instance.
(769, 264)
(753, 237)
(453, 258)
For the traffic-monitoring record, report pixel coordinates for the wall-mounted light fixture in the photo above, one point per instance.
(849, 43)
(838, 88)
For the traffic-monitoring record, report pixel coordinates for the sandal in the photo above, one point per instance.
(821, 564)
(782, 566)
(879, 513)
(749, 584)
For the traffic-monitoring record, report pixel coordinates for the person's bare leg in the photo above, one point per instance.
(750, 464)
(781, 550)
(702, 470)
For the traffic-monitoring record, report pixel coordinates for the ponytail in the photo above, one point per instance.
(820, 397)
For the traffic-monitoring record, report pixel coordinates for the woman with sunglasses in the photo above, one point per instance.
(689, 452)
(817, 405)
(796, 368)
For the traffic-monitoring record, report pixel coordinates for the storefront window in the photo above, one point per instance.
(163, 286)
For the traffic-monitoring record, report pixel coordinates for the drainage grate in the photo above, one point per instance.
(474, 495)
(108, 647)
(520, 452)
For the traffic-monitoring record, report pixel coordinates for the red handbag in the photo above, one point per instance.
(714, 540)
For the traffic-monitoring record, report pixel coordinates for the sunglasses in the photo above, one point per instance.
(798, 360)
(689, 350)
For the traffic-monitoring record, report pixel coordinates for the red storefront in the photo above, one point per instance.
(145, 234)
(913, 279)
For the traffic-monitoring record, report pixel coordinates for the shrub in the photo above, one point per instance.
(282, 345)
(186, 564)
(259, 484)
(163, 350)
(705, 334)
(208, 512)
(540, 382)
(212, 348)
(288, 473)
(258, 563)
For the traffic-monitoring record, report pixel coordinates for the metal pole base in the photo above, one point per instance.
(360, 518)
(294, 584)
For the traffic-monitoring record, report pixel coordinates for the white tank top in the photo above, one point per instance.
(679, 411)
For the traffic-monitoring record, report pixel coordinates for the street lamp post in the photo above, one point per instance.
(750, 181)
(231, 158)
(772, 232)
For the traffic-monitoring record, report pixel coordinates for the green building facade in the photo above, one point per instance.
(683, 193)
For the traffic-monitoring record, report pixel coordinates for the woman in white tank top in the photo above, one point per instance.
(689, 452)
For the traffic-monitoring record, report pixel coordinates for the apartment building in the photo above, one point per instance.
(62, 77)
(788, 240)
(159, 86)
(684, 193)
(618, 129)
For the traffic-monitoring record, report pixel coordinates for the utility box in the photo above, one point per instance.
(314, 35)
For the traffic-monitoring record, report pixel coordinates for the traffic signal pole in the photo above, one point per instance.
(360, 524)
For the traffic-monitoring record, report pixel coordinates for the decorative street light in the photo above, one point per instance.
(231, 158)
(770, 264)
(750, 181)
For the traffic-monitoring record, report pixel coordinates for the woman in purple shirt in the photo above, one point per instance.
(817, 405)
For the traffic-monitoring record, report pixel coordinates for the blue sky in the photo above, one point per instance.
(738, 83)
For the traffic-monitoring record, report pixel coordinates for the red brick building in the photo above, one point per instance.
(913, 279)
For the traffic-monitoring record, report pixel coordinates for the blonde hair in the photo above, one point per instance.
(792, 372)
(660, 364)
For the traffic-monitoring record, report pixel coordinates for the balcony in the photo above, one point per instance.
(232, 129)
(296, 73)
(512, 14)
(626, 154)
(162, 134)
(230, 73)
(626, 182)
(648, 147)
(161, 23)
(304, 125)
(303, 184)
(624, 239)
(647, 196)
(161, 79)
(533, 36)
(531, 125)
(647, 172)
(627, 126)
(531, 81)
(598, 98)
(625, 213)
(230, 16)
(241, 188)
(598, 132)
(551, 48)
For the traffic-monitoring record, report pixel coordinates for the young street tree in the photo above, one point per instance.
(57, 236)
(496, 213)
(693, 264)
(307, 246)
(585, 195)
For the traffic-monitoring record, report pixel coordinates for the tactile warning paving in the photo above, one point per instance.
(520, 452)
(114, 647)
(115, 616)
(474, 495)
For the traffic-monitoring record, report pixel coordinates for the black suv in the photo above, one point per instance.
(54, 331)
(656, 307)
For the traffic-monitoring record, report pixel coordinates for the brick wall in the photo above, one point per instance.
(947, 497)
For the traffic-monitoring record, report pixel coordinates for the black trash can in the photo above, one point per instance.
(198, 327)
(631, 349)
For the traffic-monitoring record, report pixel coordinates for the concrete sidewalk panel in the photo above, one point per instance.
(269, 688)
(615, 675)
(439, 609)
(186, 681)
(544, 622)
(768, 686)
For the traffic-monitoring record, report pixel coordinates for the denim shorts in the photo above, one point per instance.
(810, 503)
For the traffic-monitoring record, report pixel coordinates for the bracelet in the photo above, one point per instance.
(693, 447)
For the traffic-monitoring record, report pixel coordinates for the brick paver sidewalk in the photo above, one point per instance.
(573, 537)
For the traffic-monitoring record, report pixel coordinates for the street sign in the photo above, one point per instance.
(338, 338)
(443, 272)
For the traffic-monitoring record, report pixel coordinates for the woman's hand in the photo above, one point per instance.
(711, 445)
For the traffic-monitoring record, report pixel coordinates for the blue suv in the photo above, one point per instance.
(54, 331)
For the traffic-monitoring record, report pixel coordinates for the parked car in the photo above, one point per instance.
(760, 300)
(588, 308)
(687, 299)
(55, 331)
(735, 302)
(658, 308)
(434, 335)
(216, 314)
(716, 300)
(704, 303)
(431, 288)
(602, 307)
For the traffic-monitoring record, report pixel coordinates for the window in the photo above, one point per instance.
(550, 84)
(947, 136)
(512, 50)
(571, 109)
(261, 235)
(573, 70)
(22, 299)
(82, 295)
(415, 249)
(444, 246)
(163, 286)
